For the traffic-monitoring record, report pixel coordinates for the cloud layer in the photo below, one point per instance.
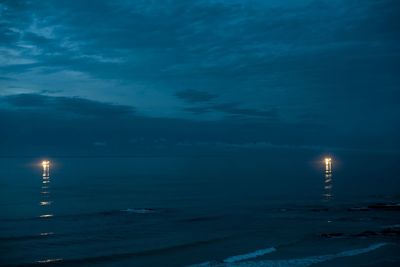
(34, 124)
(281, 68)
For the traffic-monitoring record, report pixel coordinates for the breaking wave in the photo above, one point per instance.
(301, 262)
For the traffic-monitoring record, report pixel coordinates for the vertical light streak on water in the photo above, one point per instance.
(45, 191)
(328, 195)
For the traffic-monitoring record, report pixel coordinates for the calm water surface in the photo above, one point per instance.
(282, 209)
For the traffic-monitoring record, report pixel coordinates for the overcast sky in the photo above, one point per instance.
(113, 76)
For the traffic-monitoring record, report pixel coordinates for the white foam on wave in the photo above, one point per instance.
(251, 255)
(361, 250)
(301, 262)
(237, 258)
(138, 210)
(49, 260)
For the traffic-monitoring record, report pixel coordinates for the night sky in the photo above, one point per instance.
(150, 77)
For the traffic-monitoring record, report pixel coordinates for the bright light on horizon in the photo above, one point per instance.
(328, 160)
(46, 170)
(328, 165)
(46, 163)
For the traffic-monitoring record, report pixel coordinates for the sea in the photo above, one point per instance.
(281, 208)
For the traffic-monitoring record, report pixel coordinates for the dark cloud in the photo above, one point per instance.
(36, 39)
(220, 38)
(37, 125)
(25, 100)
(8, 36)
(6, 78)
(74, 105)
(195, 96)
(234, 109)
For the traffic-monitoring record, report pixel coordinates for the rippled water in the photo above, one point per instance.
(278, 210)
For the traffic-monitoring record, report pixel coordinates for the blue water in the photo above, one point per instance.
(264, 210)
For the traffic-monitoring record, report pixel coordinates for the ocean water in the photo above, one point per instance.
(272, 209)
